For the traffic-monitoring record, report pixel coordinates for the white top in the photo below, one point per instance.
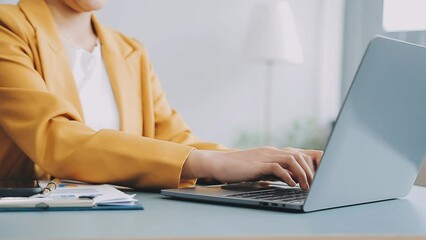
(96, 94)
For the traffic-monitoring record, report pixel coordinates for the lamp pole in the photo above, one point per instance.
(272, 38)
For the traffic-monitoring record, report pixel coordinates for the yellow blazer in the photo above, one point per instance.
(42, 130)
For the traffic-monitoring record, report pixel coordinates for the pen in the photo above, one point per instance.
(51, 186)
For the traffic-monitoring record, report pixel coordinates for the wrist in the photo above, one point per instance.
(198, 165)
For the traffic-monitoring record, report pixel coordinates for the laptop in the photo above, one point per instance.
(375, 150)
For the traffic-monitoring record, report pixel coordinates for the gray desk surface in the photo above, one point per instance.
(164, 218)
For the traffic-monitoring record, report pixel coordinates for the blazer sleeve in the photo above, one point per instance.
(49, 130)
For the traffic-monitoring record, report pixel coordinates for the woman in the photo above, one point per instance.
(80, 101)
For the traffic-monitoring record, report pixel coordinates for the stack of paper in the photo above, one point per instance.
(70, 196)
(102, 195)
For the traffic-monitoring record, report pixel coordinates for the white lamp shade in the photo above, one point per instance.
(272, 34)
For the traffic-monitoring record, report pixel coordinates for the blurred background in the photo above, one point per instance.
(212, 61)
(199, 50)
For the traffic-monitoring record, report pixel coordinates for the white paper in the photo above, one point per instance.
(101, 194)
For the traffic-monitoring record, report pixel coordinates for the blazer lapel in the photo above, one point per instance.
(120, 60)
(57, 73)
(56, 70)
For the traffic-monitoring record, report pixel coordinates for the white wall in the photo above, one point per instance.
(196, 48)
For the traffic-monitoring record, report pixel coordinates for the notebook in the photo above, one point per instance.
(375, 150)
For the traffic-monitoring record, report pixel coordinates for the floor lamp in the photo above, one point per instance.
(272, 39)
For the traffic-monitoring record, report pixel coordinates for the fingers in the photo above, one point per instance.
(309, 161)
(292, 170)
(299, 163)
(316, 156)
(313, 157)
(276, 170)
(299, 174)
(305, 162)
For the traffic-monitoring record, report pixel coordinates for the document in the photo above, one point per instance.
(101, 194)
(74, 196)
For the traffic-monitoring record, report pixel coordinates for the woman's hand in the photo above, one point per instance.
(290, 165)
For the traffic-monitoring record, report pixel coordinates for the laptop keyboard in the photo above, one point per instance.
(279, 195)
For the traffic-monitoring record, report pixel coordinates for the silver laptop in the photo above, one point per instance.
(375, 150)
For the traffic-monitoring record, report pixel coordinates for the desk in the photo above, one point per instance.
(167, 218)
